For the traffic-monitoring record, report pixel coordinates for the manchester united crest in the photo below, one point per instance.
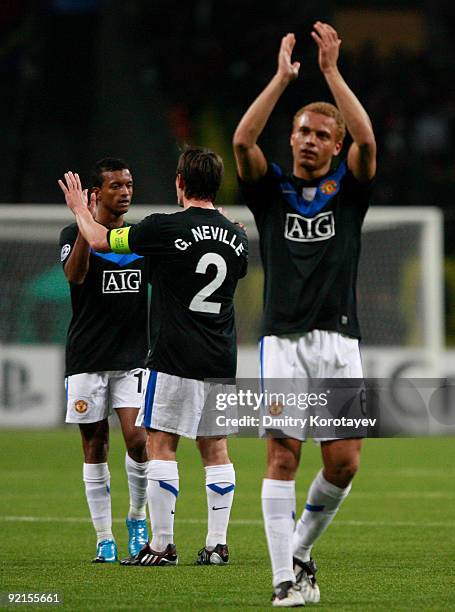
(328, 187)
(275, 409)
(80, 406)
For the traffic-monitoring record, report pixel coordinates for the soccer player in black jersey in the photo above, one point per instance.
(105, 354)
(309, 226)
(196, 257)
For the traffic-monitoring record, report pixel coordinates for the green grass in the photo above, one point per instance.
(391, 546)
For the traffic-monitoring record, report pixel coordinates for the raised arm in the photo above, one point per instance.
(362, 152)
(77, 264)
(250, 160)
(76, 199)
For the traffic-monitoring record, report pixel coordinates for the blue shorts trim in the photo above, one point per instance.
(149, 397)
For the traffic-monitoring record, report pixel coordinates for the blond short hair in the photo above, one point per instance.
(327, 109)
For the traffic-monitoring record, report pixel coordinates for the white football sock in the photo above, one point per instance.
(137, 485)
(97, 491)
(324, 499)
(278, 509)
(162, 492)
(220, 485)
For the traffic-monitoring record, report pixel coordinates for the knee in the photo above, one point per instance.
(95, 441)
(282, 463)
(161, 446)
(213, 451)
(96, 451)
(136, 447)
(348, 471)
(342, 473)
(215, 458)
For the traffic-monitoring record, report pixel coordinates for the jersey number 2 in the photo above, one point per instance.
(200, 303)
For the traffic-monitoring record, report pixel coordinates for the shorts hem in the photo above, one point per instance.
(218, 435)
(266, 433)
(177, 432)
(84, 421)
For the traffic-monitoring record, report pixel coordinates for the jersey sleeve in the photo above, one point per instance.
(142, 238)
(244, 240)
(67, 239)
(358, 194)
(259, 195)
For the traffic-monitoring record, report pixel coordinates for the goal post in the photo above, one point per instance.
(417, 248)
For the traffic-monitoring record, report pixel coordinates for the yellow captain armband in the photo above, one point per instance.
(118, 240)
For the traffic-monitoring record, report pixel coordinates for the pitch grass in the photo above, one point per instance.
(390, 548)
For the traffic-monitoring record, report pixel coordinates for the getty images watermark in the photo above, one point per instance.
(279, 402)
(333, 408)
(288, 413)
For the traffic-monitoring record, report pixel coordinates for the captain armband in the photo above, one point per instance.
(118, 240)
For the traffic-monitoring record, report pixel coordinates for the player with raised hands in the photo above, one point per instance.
(309, 224)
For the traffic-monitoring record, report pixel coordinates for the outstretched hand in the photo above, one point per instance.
(234, 221)
(286, 67)
(328, 43)
(76, 197)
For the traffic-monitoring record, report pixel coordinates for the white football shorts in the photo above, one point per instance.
(92, 396)
(186, 407)
(295, 373)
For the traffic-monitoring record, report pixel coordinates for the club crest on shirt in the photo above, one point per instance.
(309, 229)
(80, 406)
(275, 409)
(329, 187)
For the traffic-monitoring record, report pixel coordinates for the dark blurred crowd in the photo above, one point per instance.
(83, 78)
(410, 97)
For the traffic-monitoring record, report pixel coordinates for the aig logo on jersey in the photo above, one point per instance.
(313, 229)
(121, 281)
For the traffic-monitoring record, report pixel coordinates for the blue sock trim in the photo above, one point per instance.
(312, 508)
(168, 487)
(221, 490)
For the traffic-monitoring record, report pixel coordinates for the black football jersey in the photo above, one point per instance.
(108, 328)
(309, 235)
(196, 257)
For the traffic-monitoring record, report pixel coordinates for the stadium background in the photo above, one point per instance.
(87, 78)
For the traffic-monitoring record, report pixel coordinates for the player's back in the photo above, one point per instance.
(196, 258)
